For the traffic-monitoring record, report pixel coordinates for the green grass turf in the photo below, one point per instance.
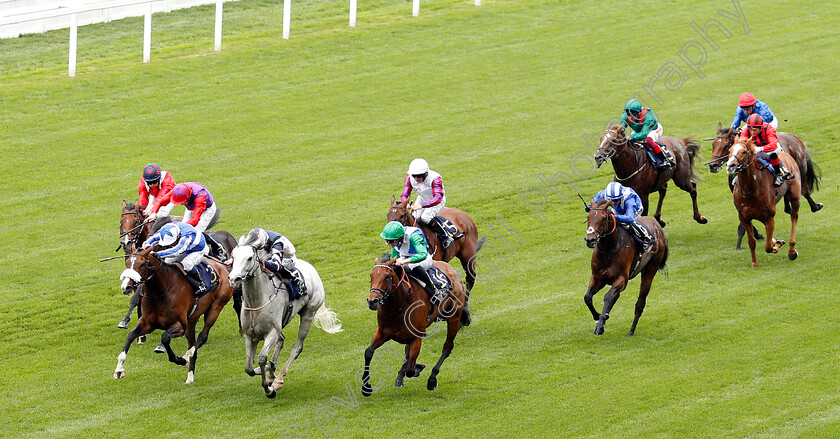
(312, 136)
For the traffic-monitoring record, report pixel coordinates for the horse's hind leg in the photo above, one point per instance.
(609, 300)
(451, 332)
(689, 186)
(469, 267)
(647, 280)
(658, 214)
(412, 351)
(174, 331)
(794, 218)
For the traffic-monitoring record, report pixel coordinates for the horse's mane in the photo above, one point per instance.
(160, 222)
(385, 257)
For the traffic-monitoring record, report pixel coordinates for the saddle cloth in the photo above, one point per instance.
(208, 276)
(441, 283)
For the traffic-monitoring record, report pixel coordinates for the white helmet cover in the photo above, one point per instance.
(418, 167)
(614, 191)
(169, 234)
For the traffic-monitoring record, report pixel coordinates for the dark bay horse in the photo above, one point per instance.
(633, 168)
(402, 307)
(464, 248)
(755, 196)
(791, 144)
(169, 303)
(615, 261)
(134, 230)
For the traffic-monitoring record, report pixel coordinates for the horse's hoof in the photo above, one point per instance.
(599, 331)
(758, 236)
(418, 368)
(432, 383)
(120, 374)
(816, 207)
(755, 264)
(270, 393)
(159, 349)
(702, 220)
(123, 324)
(399, 383)
(793, 256)
(181, 361)
(190, 378)
(661, 223)
(367, 390)
(141, 339)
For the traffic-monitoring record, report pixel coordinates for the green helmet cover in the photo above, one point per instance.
(393, 230)
(633, 105)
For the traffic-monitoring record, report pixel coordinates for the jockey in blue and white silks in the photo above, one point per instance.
(281, 258)
(183, 244)
(627, 208)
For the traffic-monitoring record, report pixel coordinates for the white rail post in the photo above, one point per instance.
(147, 34)
(219, 4)
(72, 57)
(416, 9)
(352, 13)
(287, 18)
(478, 2)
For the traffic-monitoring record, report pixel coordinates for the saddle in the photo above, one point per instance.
(655, 161)
(293, 281)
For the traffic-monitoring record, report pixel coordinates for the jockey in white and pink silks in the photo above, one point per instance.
(431, 196)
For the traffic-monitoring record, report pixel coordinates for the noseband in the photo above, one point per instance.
(601, 233)
(385, 294)
(138, 223)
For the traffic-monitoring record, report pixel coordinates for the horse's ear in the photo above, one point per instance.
(393, 200)
(720, 126)
(124, 204)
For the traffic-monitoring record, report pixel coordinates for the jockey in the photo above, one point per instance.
(184, 244)
(431, 197)
(154, 182)
(647, 130)
(201, 212)
(627, 208)
(281, 259)
(409, 244)
(764, 135)
(747, 105)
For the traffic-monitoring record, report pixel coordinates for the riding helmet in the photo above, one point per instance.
(151, 173)
(746, 100)
(181, 193)
(755, 120)
(393, 230)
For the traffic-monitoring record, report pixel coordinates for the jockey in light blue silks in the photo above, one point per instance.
(182, 244)
(627, 207)
(281, 258)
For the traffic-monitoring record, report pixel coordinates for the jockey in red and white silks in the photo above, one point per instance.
(431, 195)
(154, 182)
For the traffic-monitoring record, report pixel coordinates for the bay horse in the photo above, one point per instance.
(791, 144)
(633, 169)
(755, 196)
(465, 248)
(169, 303)
(267, 311)
(402, 307)
(134, 230)
(615, 261)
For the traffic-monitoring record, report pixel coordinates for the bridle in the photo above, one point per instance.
(615, 153)
(601, 232)
(138, 223)
(405, 215)
(751, 155)
(252, 272)
(385, 294)
(148, 266)
(716, 160)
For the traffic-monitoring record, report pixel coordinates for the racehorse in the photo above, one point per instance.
(169, 303)
(267, 311)
(633, 168)
(755, 196)
(134, 230)
(790, 144)
(402, 307)
(616, 260)
(465, 248)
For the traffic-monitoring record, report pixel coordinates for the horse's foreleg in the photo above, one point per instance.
(192, 352)
(173, 331)
(658, 214)
(647, 281)
(794, 218)
(609, 300)
(595, 285)
(378, 340)
(132, 303)
(644, 198)
(412, 351)
(451, 331)
(262, 359)
(250, 354)
(772, 245)
(140, 329)
(297, 348)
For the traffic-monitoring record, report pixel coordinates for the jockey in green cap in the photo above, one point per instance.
(646, 130)
(409, 244)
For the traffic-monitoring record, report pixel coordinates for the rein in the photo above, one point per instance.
(616, 154)
(601, 233)
(403, 279)
(251, 274)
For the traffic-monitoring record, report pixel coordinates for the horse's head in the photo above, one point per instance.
(139, 267)
(741, 156)
(600, 222)
(245, 264)
(399, 212)
(384, 280)
(131, 227)
(721, 147)
(612, 139)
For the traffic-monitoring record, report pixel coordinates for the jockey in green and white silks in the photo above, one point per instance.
(646, 130)
(408, 244)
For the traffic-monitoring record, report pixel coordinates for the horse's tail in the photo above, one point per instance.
(327, 320)
(692, 147)
(813, 173)
(664, 258)
(480, 243)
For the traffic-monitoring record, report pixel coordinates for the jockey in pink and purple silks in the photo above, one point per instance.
(431, 197)
(201, 212)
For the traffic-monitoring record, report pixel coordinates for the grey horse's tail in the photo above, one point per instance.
(327, 320)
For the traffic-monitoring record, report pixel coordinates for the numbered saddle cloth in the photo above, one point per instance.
(441, 283)
(208, 276)
(448, 227)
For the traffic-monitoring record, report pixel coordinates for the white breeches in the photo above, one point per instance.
(656, 134)
(189, 260)
(208, 218)
(426, 214)
(425, 263)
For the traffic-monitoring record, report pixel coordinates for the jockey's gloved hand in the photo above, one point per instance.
(272, 265)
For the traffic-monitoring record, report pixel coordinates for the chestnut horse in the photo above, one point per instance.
(465, 248)
(170, 304)
(755, 196)
(633, 168)
(616, 260)
(791, 144)
(402, 307)
(134, 230)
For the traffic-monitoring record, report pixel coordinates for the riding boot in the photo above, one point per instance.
(642, 233)
(666, 160)
(419, 273)
(443, 235)
(195, 280)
